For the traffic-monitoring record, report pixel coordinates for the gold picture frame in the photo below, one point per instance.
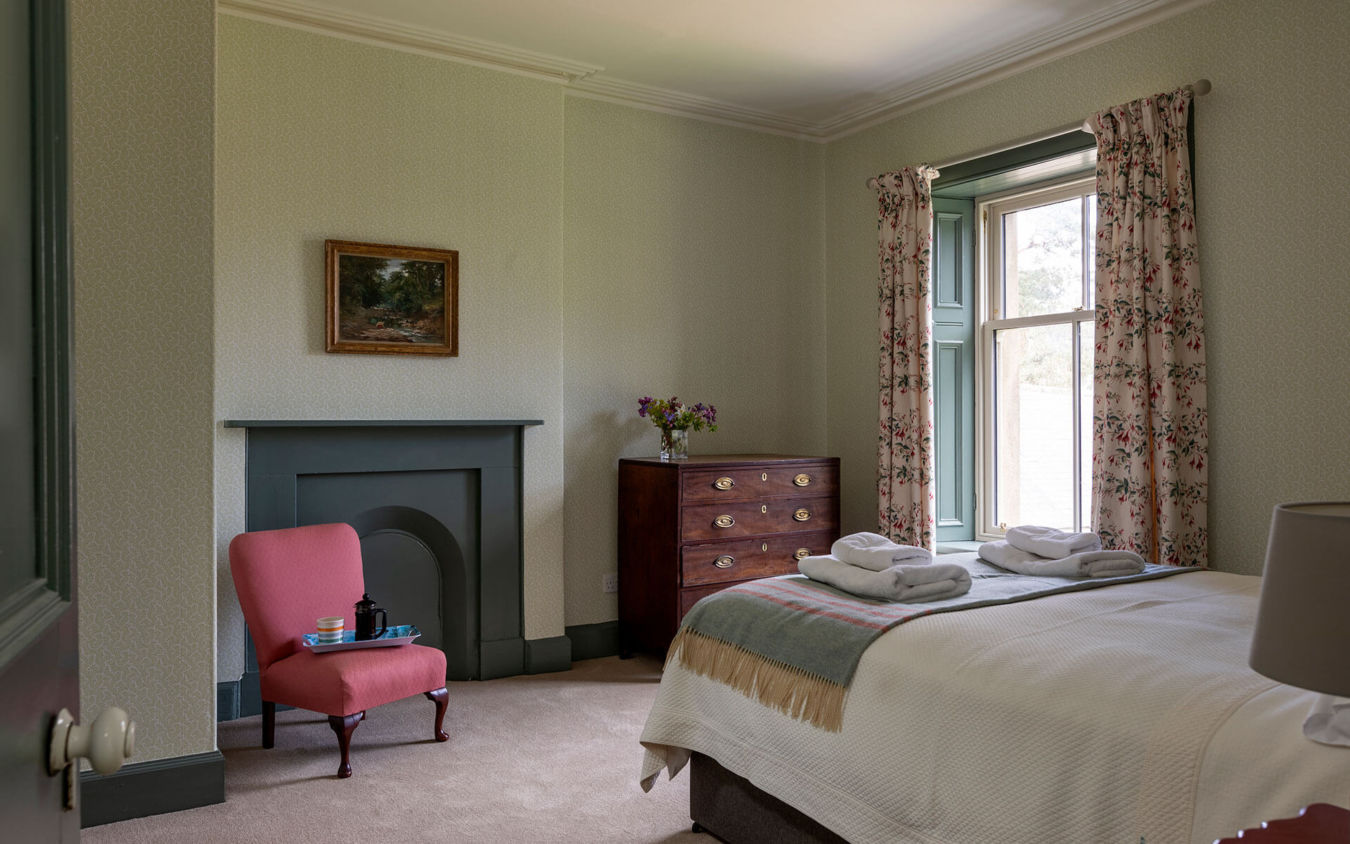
(391, 300)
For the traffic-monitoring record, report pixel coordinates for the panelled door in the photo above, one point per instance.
(39, 656)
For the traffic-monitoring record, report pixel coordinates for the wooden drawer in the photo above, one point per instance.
(669, 540)
(741, 559)
(730, 519)
(689, 597)
(741, 482)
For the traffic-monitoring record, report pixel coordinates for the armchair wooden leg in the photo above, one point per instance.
(344, 725)
(269, 724)
(440, 697)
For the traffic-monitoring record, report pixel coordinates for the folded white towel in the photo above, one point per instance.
(1049, 542)
(876, 552)
(927, 582)
(1082, 564)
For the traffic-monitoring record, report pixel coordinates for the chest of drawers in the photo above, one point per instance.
(688, 528)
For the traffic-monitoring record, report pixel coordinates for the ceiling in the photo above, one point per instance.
(807, 68)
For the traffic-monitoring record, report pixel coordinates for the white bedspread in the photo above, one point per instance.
(1124, 714)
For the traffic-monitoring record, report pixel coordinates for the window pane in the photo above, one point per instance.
(1043, 259)
(1034, 426)
(1085, 346)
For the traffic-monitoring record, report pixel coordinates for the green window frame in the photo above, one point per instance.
(957, 303)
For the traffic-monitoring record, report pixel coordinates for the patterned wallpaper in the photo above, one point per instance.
(142, 77)
(1271, 180)
(697, 250)
(319, 137)
(670, 229)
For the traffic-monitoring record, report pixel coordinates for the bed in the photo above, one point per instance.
(1125, 713)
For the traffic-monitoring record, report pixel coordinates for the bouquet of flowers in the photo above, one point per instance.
(674, 415)
(676, 419)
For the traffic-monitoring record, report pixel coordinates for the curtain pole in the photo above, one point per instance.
(1200, 87)
(928, 171)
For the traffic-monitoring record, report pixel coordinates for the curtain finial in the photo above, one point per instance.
(924, 171)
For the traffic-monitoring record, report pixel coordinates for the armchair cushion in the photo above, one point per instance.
(346, 682)
(289, 578)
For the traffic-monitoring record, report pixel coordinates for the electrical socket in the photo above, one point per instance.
(610, 582)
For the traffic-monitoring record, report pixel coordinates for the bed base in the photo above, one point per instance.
(732, 809)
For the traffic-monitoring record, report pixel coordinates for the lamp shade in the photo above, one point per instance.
(1302, 632)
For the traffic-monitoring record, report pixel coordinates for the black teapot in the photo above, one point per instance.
(365, 619)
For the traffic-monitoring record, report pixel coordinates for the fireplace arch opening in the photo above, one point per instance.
(416, 570)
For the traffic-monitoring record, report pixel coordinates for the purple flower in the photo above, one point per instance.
(672, 414)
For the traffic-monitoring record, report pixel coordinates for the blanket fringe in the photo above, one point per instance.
(796, 693)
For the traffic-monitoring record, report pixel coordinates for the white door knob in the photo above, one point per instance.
(107, 742)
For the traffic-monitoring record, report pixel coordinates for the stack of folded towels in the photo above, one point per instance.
(1029, 549)
(872, 566)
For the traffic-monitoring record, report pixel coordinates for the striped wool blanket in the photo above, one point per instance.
(793, 643)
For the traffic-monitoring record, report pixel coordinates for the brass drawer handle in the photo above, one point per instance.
(724, 483)
(724, 521)
(802, 514)
(724, 562)
(802, 480)
(802, 553)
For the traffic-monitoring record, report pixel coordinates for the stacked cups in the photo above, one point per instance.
(330, 630)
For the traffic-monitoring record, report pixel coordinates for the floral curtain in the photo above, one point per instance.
(1150, 485)
(905, 447)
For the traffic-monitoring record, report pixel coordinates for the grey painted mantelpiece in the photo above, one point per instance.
(433, 501)
(382, 423)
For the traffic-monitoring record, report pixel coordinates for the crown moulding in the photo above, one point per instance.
(387, 33)
(600, 87)
(588, 80)
(1119, 19)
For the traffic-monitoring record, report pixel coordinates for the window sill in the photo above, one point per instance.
(960, 547)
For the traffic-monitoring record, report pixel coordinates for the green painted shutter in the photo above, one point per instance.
(954, 366)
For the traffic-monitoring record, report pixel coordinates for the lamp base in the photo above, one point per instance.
(1328, 721)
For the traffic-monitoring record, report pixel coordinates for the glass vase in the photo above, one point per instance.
(674, 444)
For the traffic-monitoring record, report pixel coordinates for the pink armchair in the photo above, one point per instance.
(286, 579)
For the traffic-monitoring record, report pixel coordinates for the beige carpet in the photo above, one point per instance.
(553, 757)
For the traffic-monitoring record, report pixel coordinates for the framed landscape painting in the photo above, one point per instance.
(391, 300)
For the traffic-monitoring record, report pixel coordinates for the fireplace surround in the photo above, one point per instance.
(437, 505)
